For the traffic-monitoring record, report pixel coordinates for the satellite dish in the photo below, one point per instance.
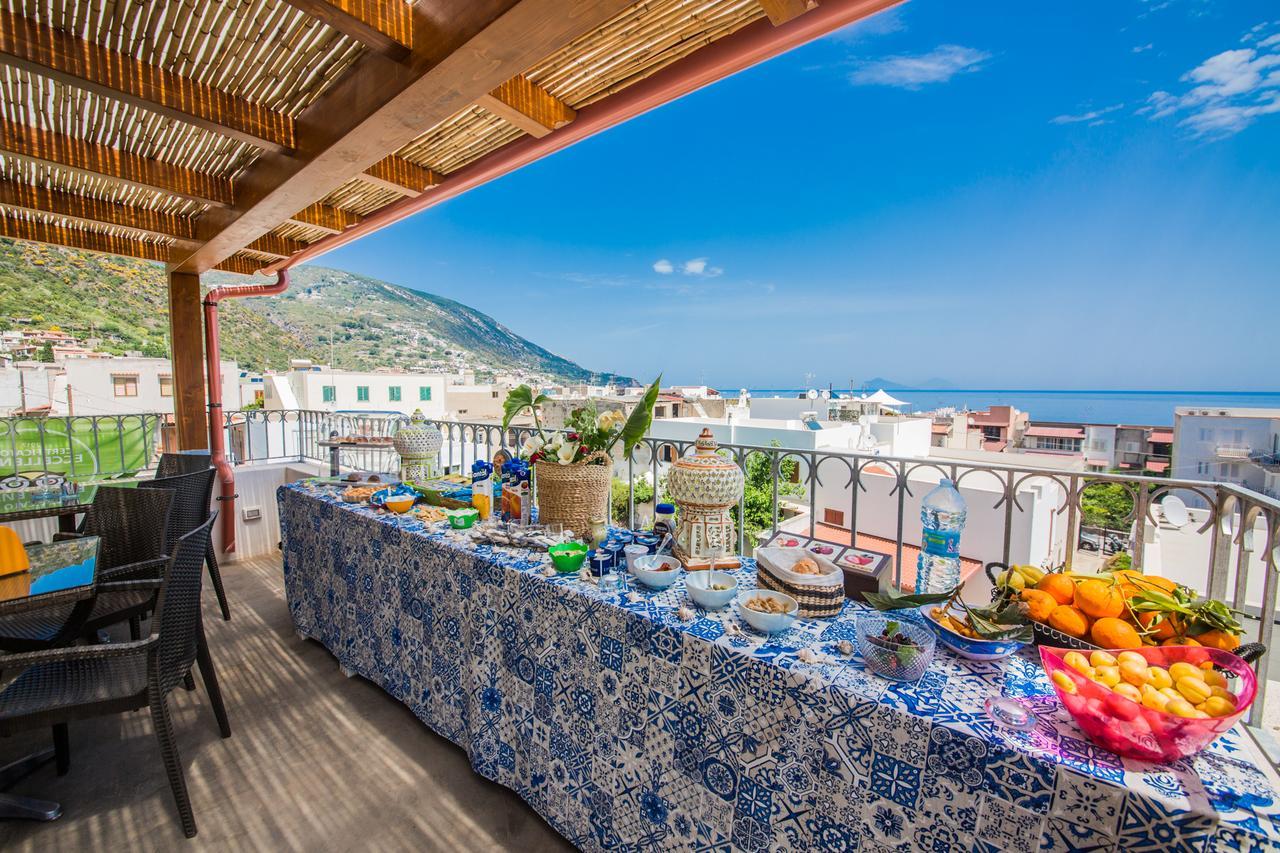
(743, 394)
(812, 394)
(826, 395)
(1175, 511)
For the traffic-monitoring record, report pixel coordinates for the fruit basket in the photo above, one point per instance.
(1135, 729)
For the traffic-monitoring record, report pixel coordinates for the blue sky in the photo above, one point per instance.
(1069, 195)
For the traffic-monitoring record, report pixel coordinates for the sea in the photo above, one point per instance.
(1147, 408)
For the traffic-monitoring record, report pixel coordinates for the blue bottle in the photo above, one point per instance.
(942, 515)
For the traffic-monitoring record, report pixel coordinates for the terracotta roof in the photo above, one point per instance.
(1162, 436)
(995, 446)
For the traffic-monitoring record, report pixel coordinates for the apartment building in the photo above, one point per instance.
(100, 386)
(1240, 446)
(317, 387)
(1001, 426)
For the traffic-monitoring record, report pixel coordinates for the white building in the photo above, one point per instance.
(1227, 446)
(101, 386)
(319, 388)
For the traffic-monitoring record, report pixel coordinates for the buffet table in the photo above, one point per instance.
(633, 720)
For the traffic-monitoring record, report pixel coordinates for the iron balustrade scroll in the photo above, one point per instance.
(1238, 522)
(80, 447)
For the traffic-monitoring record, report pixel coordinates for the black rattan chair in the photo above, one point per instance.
(189, 462)
(132, 528)
(185, 462)
(56, 686)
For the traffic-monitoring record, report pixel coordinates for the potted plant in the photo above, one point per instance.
(573, 468)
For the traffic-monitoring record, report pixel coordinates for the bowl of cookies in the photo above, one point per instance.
(767, 611)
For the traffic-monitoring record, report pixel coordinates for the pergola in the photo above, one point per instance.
(248, 135)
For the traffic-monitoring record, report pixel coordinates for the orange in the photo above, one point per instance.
(1135, 581)
(1165, 629)
(1059, 586)
(1039, 604)
(1069, 620)
(1099, 599)
(1112, 633)
(1219, 640)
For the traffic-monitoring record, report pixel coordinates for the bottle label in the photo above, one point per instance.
(941, 543)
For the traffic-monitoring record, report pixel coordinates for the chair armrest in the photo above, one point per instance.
(129, 585)
(13, 665)
(67, 537)
(142, 570)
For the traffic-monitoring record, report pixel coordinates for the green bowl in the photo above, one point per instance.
(568, 557)
(461, 519)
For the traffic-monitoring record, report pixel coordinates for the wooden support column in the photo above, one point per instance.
(186, 345)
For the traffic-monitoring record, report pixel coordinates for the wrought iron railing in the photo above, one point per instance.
(80, 446)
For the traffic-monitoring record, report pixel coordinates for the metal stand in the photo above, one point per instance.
(26, 808)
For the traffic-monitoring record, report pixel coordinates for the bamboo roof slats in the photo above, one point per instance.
(384, 25)
(275, 247)
(39, 229)
(400, 176)
(89, 211)
(325, 218)
(60, 56)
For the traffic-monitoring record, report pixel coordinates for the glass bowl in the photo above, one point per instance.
(891, 660)
(1131, 730)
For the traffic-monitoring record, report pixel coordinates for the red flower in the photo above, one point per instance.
(573, 436)
(535, 457)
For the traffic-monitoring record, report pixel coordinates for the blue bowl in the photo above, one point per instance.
(968, 647)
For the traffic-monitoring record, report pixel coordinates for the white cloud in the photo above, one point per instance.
(663, 267)
(1093, 117)
(1142, 48)
(880, 24)
(1228, 91)
(912, 72)
(699, 267)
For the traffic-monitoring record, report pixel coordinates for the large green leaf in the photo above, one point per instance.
(892, 600)
(640, 419)
(518, 400)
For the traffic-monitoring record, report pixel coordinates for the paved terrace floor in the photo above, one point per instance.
(316, 761)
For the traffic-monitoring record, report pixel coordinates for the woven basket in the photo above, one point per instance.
(815, 602)
(572, 495)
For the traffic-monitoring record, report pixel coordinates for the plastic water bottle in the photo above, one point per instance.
(943, 514)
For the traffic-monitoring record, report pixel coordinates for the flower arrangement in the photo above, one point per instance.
(589, 434)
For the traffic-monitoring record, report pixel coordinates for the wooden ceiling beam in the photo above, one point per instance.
(243, 264)
(400, 175)
(461, 51)
(385, 26)
(80, 238)
(781, 11)
(276, 246)
(101, 161)
(528, 106)
(61, 56)
(93, 211)
(324, 217)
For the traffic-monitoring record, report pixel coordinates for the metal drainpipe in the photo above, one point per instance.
(217, 427)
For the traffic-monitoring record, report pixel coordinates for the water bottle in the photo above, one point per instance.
(943, 514)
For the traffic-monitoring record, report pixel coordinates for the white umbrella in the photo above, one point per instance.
(883, 399)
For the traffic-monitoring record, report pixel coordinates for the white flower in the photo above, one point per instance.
(532, 445)
(567, 451)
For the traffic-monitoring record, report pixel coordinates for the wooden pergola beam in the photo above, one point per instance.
(528, 106)
(385, 26)
(276, 246)
(461, 52)
(186, 348)
(243, 264)
(61, 56)
(781, 11)
(81, 238)
(324, 217)
(101, 161)
(93, 211)
(400, 175)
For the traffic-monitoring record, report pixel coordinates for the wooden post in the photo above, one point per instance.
(186, 345)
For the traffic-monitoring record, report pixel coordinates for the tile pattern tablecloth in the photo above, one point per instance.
(627, 727)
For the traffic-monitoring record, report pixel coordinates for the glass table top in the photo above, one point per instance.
(56, 567)
(52, 502)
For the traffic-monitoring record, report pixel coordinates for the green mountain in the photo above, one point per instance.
(353, 322)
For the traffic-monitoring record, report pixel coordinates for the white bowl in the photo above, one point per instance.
(699, 586)
(768, 623)
(647, 571)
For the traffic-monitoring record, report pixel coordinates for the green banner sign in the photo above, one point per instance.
(79, 447)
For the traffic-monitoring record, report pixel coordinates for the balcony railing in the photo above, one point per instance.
(1011, 506)
(1232, 451)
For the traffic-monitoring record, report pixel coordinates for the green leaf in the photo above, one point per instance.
(520, 399)
(890, 628)
(891, 600)
(640, 419)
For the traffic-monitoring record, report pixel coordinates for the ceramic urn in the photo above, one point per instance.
(705, 486)
(418, 443)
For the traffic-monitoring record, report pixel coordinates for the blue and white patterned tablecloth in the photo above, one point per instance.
(627, 728)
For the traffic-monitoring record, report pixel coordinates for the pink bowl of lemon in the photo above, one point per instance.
(1157, 703)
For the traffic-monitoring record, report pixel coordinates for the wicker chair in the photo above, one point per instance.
(131, 525)
(56, 686)
(189, 462)
(186, 462)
